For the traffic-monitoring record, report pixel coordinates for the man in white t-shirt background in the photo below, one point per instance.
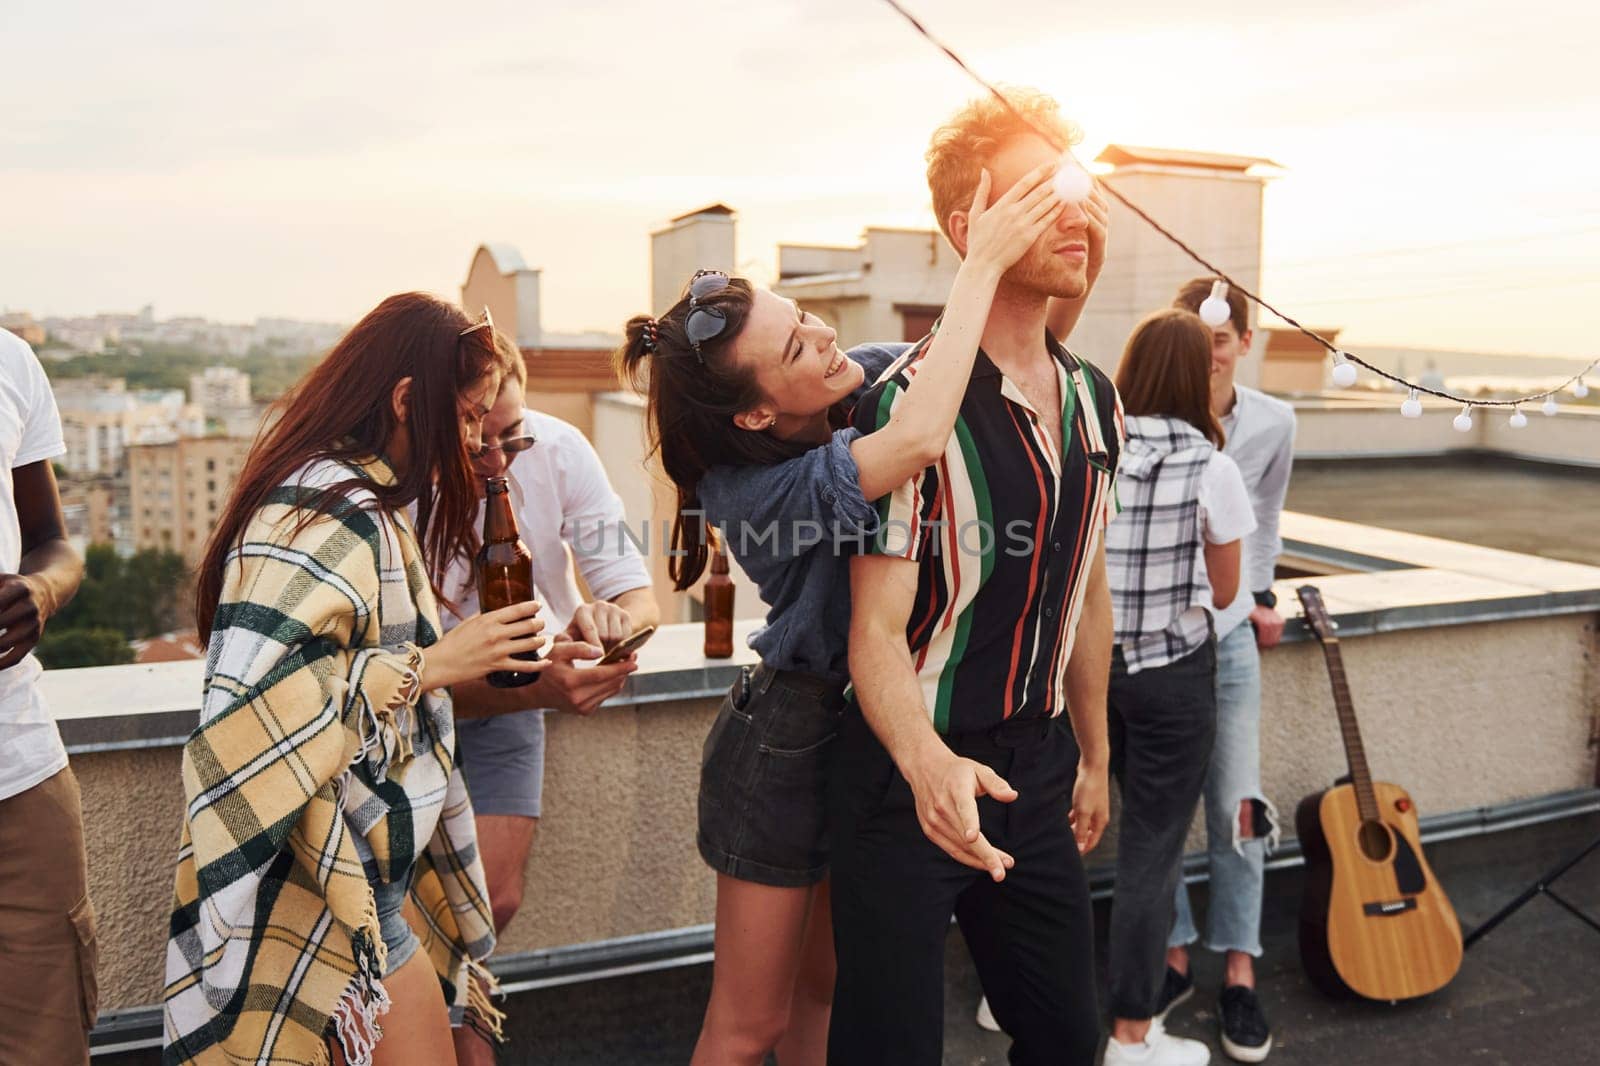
(1241, 824)
(47, 927)
(563, 501)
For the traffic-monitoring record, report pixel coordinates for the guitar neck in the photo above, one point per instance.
(1355, 753)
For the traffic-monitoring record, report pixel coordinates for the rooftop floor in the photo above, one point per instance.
(1526, 993)
(1536, 508)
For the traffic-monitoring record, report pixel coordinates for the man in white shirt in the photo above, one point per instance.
(1241, 825)
(562, 500)
(47, 928)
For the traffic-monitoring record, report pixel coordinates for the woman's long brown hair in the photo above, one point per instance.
(1166, 370)
(690, 402)
(342, 410)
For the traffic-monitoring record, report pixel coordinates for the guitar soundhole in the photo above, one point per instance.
(1376, 843)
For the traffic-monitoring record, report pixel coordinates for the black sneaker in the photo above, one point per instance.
(1176, 988)
(1245, 1034)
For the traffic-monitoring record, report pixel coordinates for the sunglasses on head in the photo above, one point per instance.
(704, 323)
(486, 323)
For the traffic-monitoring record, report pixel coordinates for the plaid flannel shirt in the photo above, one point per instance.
(1153, 546)
(318, 763)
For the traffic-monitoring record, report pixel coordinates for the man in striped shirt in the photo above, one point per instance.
(981, 614)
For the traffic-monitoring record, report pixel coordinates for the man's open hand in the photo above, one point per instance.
(946, 788)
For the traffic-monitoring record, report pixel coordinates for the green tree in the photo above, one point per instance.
(94, 646)
(140, 596)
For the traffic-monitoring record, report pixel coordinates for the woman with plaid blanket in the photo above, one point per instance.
(320, 786)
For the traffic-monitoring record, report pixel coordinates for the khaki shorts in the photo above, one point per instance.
(47, 936)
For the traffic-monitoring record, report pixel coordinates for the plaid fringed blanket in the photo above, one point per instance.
(317, 759)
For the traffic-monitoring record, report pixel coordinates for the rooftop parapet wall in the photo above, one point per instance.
(1476, 675)
(1346, 425)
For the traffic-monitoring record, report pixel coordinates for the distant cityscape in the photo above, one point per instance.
(56, 337)
(160, 414)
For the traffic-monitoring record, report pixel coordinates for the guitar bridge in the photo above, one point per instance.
(1390, 907)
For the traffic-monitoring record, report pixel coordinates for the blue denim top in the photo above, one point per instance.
(793, 527)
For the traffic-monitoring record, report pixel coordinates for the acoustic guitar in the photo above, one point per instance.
(1374, 922)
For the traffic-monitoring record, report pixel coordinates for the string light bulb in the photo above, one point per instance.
(1072, 183)
(1580, 390)
(1412, 407)
(1518, 419)
(1214, 309)
(1463, 421)
(1549, 407)
(1344, 371)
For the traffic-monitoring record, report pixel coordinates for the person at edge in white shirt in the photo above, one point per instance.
(47, 924)
(563, 501)
(1241, 824)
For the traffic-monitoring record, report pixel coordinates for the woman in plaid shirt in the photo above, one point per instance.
(320, 786)
(1172, 558)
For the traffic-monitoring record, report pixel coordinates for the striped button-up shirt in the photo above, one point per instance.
(1004, 529)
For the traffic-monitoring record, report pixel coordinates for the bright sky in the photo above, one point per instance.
(306, 159)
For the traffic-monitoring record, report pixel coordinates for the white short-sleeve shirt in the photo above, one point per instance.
(30, 431)
(1225, 513)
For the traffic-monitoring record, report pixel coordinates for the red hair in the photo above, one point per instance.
(342, 410)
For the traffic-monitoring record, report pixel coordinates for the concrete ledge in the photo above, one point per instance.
(117, 708)
(1400, 581)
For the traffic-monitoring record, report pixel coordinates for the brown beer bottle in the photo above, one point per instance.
(719, 608)
(504, 570)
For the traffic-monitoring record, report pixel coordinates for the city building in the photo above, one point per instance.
(219, 389)
(1291, 362)
(892, 286)
(565, 370)
(23, 325)
(91, 512)
(100, 419)
(177, 490)
(1209, 199)
(702, 239)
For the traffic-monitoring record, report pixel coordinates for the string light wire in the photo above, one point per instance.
(1333, 349)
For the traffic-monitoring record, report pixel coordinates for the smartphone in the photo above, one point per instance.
(622, 648)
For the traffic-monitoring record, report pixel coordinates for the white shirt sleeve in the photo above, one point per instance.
(588, 503)
(41, 426)
(1266, 545)
(1225, 510)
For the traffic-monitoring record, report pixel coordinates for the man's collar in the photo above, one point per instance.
(983, 366)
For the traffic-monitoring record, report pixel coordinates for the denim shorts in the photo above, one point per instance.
(763, 778)
(397, 935)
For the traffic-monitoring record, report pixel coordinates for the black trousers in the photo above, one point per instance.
(1162, 722)
(893, 891)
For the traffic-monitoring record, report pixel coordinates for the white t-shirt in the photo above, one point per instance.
(30, 430)
(1225, 511)
(562, 497)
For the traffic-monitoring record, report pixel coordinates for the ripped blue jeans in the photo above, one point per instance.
(1233, 919)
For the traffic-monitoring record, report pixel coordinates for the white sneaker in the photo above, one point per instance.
(985, 1017)
(1159, 1048)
